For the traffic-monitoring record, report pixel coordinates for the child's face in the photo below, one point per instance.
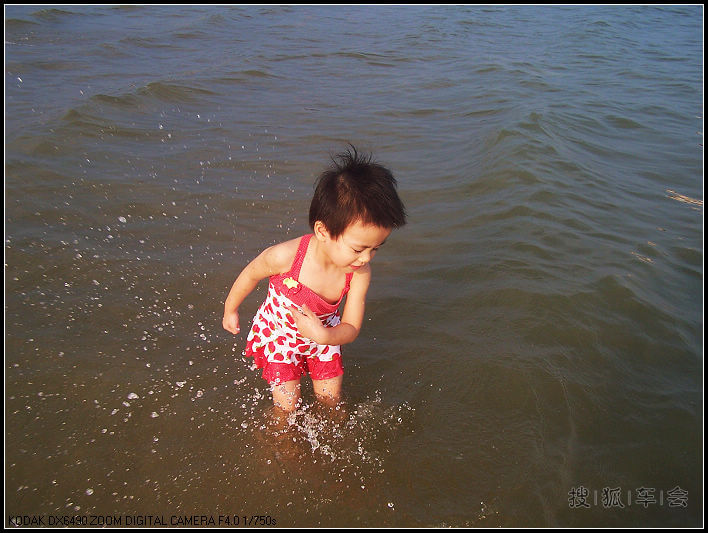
(356, 246)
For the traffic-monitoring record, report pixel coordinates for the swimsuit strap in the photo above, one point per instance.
(347, 283)
(294, 272)
(300, 256)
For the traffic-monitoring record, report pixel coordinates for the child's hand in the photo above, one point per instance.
(308, 325)
(230, 322)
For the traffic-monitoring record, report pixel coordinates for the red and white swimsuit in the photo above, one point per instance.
(274, 341)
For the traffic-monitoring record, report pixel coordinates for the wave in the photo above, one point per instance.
(52, 14)
(12, 24)
(172, 92)
(175, 92)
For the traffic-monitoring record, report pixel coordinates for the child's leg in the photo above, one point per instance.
(286, 395)
(328, 391)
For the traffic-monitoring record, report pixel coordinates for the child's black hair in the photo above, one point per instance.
(356, 188)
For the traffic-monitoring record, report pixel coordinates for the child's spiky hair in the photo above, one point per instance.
(355, 188)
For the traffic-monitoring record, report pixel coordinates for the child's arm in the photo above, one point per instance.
(348, 329)
(271, 261)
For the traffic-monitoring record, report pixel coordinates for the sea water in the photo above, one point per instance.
(532, 352)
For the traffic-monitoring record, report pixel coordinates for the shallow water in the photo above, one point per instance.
(535, 330)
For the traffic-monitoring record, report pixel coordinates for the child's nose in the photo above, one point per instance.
(366, 256)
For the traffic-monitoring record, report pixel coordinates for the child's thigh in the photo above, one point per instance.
(328, 390)
(287, 395)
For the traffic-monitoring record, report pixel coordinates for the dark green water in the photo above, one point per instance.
(534, 336)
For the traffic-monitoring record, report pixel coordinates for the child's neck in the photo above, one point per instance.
(320, 274)
(321, 259)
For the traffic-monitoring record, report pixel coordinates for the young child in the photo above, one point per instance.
(298, 329)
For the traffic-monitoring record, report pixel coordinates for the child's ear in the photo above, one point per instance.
(320, 230)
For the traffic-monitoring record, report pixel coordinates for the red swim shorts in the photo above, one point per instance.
(275, 373)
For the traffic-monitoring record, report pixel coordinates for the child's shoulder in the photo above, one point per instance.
(280, 257)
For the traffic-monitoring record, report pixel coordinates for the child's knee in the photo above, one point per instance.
(328, 391)
(286, 396)
(331, 399)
